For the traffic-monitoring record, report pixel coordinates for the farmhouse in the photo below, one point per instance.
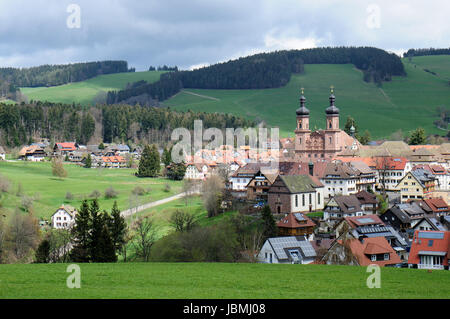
(64, 217)
(296, 224)
(33, 153)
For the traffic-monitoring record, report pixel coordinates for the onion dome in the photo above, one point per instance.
(302, 110)
(332, 109)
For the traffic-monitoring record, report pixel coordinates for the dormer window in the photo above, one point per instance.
(373, 257)
(386, 256)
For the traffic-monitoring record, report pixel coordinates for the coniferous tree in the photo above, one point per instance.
(176, 171)
(43, 252)
(149, 164)
(268, 223)
(81, 234)
(96, 232)
(88, 162)
(117, 227)
(167, 157)
(418, 137)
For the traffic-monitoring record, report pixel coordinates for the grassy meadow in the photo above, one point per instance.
(218, 280)
(404, 103)
(49, 192)
(83, 92)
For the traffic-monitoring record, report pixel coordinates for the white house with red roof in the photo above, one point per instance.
(430, 250)
(390, 171)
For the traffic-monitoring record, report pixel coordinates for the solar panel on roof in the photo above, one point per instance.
(299, 216)
(429, 235)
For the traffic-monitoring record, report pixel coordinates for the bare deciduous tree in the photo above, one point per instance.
(22, 237)
(213, 189)
(145, 233)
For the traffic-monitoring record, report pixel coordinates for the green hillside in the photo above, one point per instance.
(218, 280)
(83, 92)
(404, 103)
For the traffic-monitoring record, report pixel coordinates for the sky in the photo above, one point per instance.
(195, 33)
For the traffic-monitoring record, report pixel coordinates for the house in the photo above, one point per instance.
(64, 148)
(430, 223)
(64, 217)
(437, 206)
(33, 153)
(296, 224)
(2, 153)
(258, 187)
(196, 171)
(349, 223)
(397, 218)
(287, 250)
(390, 170)
(241, 178)
(295, 193)
(430, 250)
(368, 201)
(115, 161)
(339, 179)
(362, 252)
(342, 206)
(417, 184)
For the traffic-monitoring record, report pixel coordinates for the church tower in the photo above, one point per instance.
(302, 132)
(332, 126)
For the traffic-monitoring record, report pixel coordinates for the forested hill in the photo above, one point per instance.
(51, 75)
(426, 52)
(266, 70)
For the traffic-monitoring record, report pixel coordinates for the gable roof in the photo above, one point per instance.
(390, 163)
(348, 203)
(300, 183)
(282, 245)
(296, 220)
(66, 146)
(372, 246)
(68, 209)
(366, 220)
(429, 243)
(365, 197)
(437, 205)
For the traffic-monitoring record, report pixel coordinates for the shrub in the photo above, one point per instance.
(167, 188)
(69, 196)
(110, 193)
(138, 190)
(95, 194)
(4, 184)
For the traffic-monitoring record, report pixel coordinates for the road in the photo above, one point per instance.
(128, 212)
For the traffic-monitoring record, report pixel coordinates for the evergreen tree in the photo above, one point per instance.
(268, 223)
(167, 157)
(117, 228)
(349, 123)
(96, 232)
(417, 137)
(176, 171)
(81, 234)
(88, 162)
(43, 252)
(149, 164)
(106, 247)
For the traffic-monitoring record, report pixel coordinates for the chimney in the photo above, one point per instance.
(311, 168)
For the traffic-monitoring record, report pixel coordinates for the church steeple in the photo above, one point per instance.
(302, 111)
(332, 109)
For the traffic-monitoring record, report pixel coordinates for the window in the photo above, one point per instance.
(430, 243)
(373, 257)
(296, 200)
(318, 198)
(303, 199)
(310, 198)
(386, 256)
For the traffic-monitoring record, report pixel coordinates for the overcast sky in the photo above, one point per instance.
(193, 33)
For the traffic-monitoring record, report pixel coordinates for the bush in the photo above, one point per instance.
(69, 196)
(167, 188)
(138, 190)
(95, 194)
(27, 203)
(4, 184)
(110, 193)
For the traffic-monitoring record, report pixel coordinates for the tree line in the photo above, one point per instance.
(264, 70)
(424, 52)
(20, 124)
(51, 75)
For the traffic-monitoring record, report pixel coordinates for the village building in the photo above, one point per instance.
(416, 184)
(340, 179)
(64, 217)
(430, 250)
(296, 224)
(287, 250)
(390, 171)
(114, 161)
(342, 206)
(33, 153)
(295, 193)
(368, 201)
(430, 223)
(64, 148)
(196, 171)
(258, 187)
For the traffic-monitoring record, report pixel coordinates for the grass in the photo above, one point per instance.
(37, 180)
(218, 280)
(404, 103)
(83, 92)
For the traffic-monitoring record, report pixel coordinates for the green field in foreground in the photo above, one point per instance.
(49, 192)
(404, 103)
(83, 92)
(218, 280)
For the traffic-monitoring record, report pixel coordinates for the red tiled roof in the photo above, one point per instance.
(113, 159)
(66, 146)
(423, 244)
(436, 204)
(355, 220)
(291, 222)
(395, 163)
(371, 246)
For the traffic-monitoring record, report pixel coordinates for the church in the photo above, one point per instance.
(321, 144)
